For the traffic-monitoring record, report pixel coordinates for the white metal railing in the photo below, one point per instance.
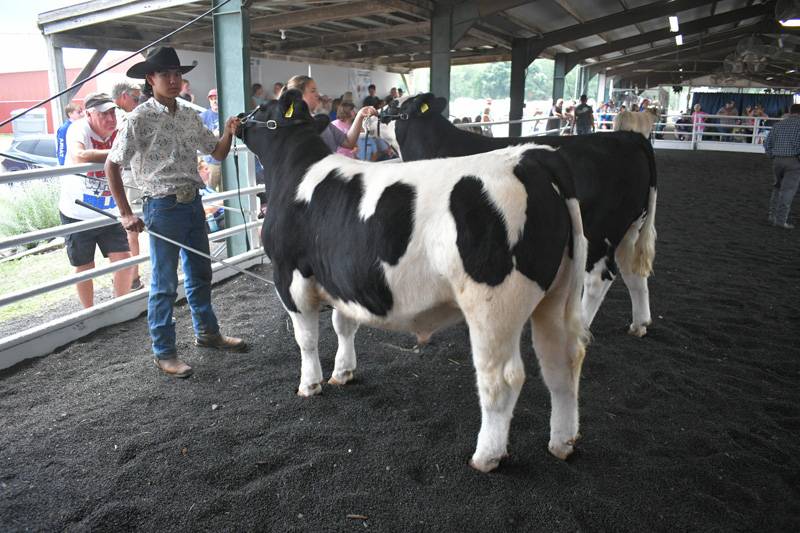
(92, 273)
(42, 339)
(67, 229)
(535, 120)
(747, 134)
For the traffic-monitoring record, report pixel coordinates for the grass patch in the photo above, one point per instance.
(29, 207)
(35, 270)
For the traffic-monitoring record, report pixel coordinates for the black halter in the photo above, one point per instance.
(390, 116)
(269, 124)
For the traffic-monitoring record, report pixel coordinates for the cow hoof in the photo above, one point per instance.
(485, 466)
(637, 331)
(423, 339)
(340, 378)
(562, 450)
(306, 391)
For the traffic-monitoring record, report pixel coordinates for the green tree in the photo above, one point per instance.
(493, 80)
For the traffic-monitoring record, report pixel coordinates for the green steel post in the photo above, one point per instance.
(232, 57)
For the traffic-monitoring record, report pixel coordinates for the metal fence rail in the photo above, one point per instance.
(43, 339)
(745, 137)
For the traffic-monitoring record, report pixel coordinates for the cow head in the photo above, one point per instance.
(261, 125)
(423, 106)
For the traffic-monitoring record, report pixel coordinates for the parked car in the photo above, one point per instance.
(39, 149)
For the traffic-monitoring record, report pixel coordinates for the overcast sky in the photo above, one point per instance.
(18, 31)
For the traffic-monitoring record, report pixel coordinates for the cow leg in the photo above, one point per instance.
(495, 338)
(560, 353)
(595, 287)
(640, 303)
(345, 362)
(500, 375)
(306, 333)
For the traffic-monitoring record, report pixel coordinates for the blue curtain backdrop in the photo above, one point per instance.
(775, 105)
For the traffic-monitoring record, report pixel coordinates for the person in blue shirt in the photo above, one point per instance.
(210, 118)
(215, 216)
(74, 112)
(374, 149)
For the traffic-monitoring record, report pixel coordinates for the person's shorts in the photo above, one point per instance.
(81, 245)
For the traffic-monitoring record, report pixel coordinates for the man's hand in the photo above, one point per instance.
(231, 125)
(132, 223)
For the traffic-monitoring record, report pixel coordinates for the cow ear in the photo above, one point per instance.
(291, 105)
(321, 122)
(423, 104)
(439, 105)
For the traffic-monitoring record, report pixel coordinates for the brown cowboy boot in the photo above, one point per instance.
(221, 342)
(174, 367)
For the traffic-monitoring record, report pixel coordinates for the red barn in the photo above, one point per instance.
(21, 90)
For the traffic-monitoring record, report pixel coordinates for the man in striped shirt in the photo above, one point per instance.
(783, 147)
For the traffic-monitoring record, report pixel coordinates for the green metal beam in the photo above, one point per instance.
(441, 37)
(559, 76)
(232, 57)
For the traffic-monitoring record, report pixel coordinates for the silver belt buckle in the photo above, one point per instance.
(185, 196)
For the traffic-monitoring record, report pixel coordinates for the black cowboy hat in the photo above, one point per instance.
(157, 60)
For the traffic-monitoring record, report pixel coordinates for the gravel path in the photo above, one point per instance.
(692, 428)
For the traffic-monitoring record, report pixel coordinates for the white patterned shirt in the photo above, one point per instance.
(161, 148)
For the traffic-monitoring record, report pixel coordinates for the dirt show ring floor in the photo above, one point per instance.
(693, 428)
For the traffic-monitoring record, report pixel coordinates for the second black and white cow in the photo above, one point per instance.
(615, 179)
(494, 240)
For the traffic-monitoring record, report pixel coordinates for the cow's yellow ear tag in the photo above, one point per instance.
(424, 108)
(290, 111)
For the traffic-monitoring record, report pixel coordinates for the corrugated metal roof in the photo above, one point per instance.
(629, 39)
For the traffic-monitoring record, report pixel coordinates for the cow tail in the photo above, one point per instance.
(562, 178)
(637, 250)
(644, 252)
(573, 309)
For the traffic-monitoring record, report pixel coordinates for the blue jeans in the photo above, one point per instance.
(184, 223)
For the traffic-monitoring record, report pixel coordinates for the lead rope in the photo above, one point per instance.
(366, 137)
(239, 194)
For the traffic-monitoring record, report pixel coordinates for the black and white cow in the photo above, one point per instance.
(493, 239)
(615, 180)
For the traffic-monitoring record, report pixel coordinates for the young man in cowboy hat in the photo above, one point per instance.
(160, 143)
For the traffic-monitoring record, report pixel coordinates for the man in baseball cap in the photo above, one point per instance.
(89, 140)
(101, 102)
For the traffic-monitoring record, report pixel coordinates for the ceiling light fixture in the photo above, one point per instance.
(283, 34)
(679, 39)
(787, 12)
(359, 46)
(673, 24)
